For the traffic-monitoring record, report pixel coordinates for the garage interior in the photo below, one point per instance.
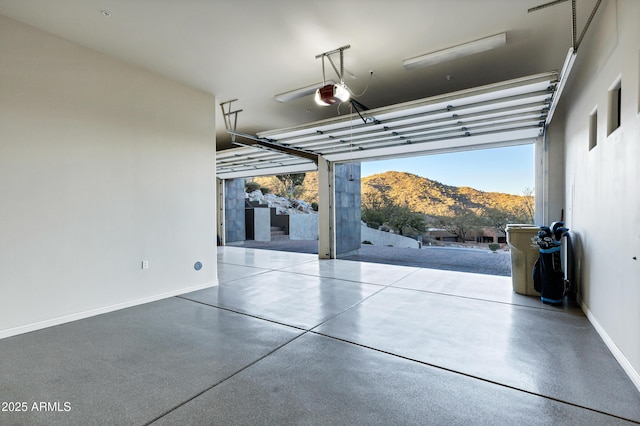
(117, 305)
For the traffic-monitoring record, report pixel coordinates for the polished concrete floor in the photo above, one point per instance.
(289, 339)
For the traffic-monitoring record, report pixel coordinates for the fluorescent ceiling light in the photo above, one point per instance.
(302, 92)
(466, 49)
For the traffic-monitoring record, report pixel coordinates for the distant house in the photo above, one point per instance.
(485, 235)
(491, 235)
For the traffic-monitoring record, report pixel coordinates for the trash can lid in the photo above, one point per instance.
(522, 225)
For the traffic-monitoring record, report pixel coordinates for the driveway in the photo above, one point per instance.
(448, 258)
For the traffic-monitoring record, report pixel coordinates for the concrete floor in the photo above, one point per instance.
(288, 339)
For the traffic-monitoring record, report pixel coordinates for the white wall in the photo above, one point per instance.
(381, 238)
(549, 192)
(262, 224)
(303, 226)
(602, 185)
(102, 165)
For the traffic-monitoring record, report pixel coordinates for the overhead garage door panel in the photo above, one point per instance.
(501, 114)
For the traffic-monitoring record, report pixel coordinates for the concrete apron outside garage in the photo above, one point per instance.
(449, 258)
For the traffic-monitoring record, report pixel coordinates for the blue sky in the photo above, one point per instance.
(508, 170)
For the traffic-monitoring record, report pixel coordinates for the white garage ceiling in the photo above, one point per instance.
(252, 50)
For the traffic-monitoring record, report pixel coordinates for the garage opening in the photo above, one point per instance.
(507, 114)
(453, 208)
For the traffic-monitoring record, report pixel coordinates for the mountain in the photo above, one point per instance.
(416, 192)
(434, 198)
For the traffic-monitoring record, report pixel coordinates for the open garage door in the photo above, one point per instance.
(502, 114)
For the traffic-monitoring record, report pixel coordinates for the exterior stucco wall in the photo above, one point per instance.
(303, 227)
(381, 238)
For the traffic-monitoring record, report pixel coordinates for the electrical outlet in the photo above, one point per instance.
(145, 264)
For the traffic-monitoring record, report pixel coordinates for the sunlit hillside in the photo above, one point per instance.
(434, 198)
(418, 193)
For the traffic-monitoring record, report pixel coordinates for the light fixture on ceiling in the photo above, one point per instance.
(105, 13)
(332, 93)
(301, 93)
(466, 49)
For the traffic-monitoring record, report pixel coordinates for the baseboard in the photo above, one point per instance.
(98, 311)
(617, 353)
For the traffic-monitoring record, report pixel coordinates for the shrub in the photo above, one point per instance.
(367, 242)
(251, 186)
(494, 246)
(314, 206)
(264, 190)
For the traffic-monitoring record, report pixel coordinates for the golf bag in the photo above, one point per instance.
(548, 277)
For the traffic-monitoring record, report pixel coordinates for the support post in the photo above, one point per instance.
(540, 181)
(220, 216)
(326, 210)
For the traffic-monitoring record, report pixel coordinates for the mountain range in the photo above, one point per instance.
(433, 198)
(419, 193)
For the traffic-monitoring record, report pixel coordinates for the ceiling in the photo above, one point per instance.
(251, 50)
